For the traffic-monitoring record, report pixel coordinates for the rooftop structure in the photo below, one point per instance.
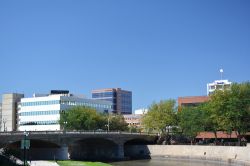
(218, 85)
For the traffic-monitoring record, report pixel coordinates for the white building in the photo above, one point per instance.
(42, 112)
(218, 85)
(141, 111)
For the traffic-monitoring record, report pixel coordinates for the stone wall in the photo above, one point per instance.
(230, 154)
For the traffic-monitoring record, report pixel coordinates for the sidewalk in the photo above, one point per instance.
(43, 163)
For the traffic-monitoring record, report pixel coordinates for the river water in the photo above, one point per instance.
(167, 162)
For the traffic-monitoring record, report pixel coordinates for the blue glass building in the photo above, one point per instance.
(121, 99)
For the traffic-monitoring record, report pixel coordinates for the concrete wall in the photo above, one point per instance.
(9, 111)
(230, 154)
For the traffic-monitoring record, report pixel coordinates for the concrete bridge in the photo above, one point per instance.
(80, 145)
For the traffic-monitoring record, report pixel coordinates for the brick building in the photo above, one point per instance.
(192, 100)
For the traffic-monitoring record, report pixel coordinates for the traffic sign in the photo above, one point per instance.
(25, 143)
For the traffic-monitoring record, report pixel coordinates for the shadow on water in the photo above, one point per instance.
(137, 149)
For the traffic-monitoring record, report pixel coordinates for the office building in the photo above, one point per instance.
(192, 100)
(218, 85)
(121, 99)
(42, 112)
(9, 111)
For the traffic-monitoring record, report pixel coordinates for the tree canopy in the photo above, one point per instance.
(227, 110)
(160, 115)
(230, 109)
(86, 118)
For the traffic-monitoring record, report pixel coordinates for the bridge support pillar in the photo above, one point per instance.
(64, 152)
(120, 150)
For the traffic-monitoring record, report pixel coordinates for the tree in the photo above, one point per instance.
(159, 116)
(230, 109)
(192, 120)
(80, 118)
(86, 118)
(117, 122)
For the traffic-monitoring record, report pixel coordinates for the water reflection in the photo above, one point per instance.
(166, 162)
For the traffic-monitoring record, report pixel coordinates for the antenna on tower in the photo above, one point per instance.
(221, 74)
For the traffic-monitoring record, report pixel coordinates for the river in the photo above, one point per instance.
(168, 162)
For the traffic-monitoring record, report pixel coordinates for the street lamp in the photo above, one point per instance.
(64, 125)
(25, 145)
(4, 123)
(108, 124)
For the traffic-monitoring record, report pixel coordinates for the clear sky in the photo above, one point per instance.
(158, 49)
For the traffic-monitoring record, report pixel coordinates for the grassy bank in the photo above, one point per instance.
(81, 163)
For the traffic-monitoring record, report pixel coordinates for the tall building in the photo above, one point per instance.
(42, 112)
(121, 99)
(9, 111)
(218, 85)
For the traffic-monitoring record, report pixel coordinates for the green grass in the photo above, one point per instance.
(81, 163)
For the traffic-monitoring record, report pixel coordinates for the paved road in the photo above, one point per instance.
(43, 163)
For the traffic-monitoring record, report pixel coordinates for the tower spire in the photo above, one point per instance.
(221, 74)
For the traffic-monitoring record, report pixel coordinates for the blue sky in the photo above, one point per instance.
(159, 49)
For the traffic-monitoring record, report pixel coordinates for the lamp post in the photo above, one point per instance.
(64, 125)
(25, 145)
(4, 123)
(107, 125)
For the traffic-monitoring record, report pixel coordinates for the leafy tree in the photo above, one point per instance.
(192, 120)
(117, 122)
(80, 118)
(86, 118)
(230, 110)
(159, 116)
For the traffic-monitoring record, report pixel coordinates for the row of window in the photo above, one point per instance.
(53, 122)
(36, 103)
(72, 103)
(34, 113)
(103, 94)
(93, 105)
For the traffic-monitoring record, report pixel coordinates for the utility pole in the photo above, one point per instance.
(25, 145)
(4, 123)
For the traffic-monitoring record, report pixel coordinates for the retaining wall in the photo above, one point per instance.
(229, 154)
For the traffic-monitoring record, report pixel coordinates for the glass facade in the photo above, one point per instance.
(126, 100)
(121, 99)
(37, 103)
(87, 104)
(107, 96)
(104, 94)
(37, 113)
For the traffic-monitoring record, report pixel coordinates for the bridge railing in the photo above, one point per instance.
(75, 132)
